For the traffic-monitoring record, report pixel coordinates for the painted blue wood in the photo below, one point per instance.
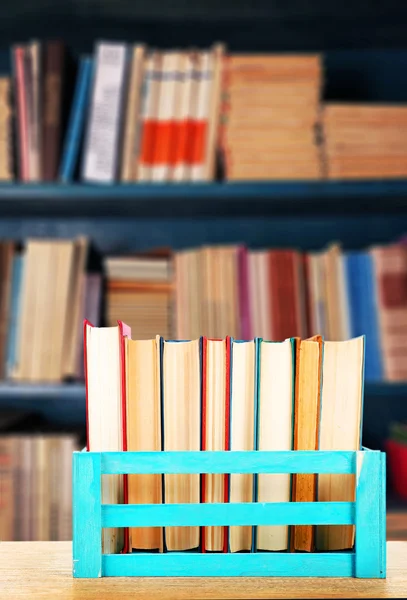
(229, 565)
(300, 461)
(278, 513)
(87, 518)
(369, 516)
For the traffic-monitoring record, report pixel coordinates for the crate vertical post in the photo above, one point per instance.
(87, 515)
(370, 544)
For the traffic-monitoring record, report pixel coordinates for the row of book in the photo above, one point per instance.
(36, 487)
(205, 394)
(47, 288)
(132, 113)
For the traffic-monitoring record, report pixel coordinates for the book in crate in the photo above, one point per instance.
(219, 396)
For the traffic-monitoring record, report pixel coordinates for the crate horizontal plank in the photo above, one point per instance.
(301, 461)
(245, 513)
(177, 564)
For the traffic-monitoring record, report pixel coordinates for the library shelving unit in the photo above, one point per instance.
(304, 215)
(120, 218)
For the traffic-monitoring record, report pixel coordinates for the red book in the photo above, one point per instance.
(104, 354)
(22, 116)
(216, 411)
(286, 293)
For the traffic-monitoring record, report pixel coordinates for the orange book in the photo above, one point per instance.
(308, 371)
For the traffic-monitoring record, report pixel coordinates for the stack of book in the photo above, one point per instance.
(365, 141)
(139, 290)
(270, 114)
(206, 394)
(36, 487)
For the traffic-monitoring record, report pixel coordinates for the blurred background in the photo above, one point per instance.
(274, 205)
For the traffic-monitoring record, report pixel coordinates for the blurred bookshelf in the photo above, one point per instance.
(199, 199)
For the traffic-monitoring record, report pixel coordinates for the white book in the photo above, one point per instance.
(242, 433)
(196, 60)
(202, 115)
(275, 431)
(101, 156)
(186, 87)
(150, 104)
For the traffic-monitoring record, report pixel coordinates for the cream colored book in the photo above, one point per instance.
(242, 433)
(275, 431)
(340, 429)
(182, 430)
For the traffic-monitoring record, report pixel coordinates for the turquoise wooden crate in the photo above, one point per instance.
(367, 513)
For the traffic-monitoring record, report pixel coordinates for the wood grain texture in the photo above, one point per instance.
(370, 516)
(244, 513)
(229, 462)
(43, 571)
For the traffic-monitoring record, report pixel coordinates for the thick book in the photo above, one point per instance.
(52, 98)
(143, 396)
(340, 429)
(337, 308)
(106, 425)
(104, 129)
(364, 309)
(76, 123)
(242, 431)
(181, 406)
(275, 417)
(215, 431)
(307, 407)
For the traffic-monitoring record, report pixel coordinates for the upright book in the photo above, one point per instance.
(275, 431)
(215, 430)
(181, 364)
(242, 432)
(143, 398)
(308, 371)
(105, 376)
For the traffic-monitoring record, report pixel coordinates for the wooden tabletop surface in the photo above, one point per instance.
(43, 570)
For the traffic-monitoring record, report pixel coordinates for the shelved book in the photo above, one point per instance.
(224, 394)
(36, 486)
(132, 113)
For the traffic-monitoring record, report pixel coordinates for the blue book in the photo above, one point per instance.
(75, 130)
(364, 310)
(16, 281)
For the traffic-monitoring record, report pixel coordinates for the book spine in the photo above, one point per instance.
(76, 123)
(54, 61)
(152, 82)
(34, 52)
(165, 118)
(202, 115)
(6, 143)
(131, 122)
(214, 112)
(22, 125)
(101, 154)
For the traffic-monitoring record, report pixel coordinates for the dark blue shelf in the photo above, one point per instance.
(65, 404)
(211, 199)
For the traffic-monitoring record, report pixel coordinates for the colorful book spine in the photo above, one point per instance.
(15, 305)
(76, 123)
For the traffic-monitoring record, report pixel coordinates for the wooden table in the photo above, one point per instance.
(34, 570)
